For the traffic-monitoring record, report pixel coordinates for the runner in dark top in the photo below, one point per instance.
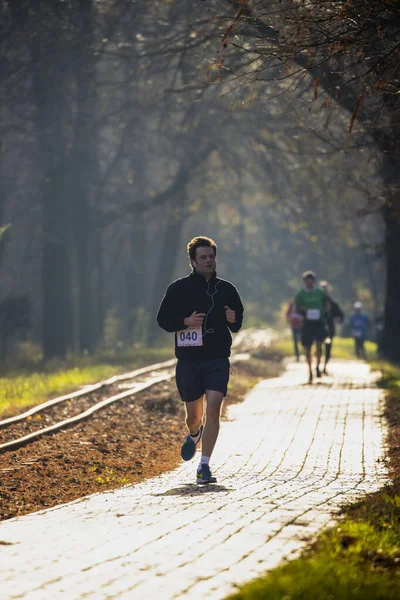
(202, 310)
(333, 316)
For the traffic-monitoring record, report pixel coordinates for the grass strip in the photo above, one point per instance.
(356, 560)
(342, 348)
(22, 387)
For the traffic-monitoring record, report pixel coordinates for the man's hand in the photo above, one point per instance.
(195, 320)
(230, 315)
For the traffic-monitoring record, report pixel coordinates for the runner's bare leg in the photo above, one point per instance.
(211, 428)
(194, 415)
(307, 351)
(318, 353)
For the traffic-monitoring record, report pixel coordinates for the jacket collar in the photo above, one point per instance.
(199, 278)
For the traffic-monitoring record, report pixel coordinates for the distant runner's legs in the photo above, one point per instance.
(307, 351)
(328, 351)
(307, 339)
(318, 355)
(295, 333)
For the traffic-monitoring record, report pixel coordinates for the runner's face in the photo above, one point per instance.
(309, 282)
(205, 261)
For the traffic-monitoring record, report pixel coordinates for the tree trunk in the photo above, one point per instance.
(49, 100)
(390, 340)
(389, 141)
(97, 286)
(82, 169)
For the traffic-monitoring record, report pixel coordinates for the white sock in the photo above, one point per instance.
(196, 438)
(205, 460)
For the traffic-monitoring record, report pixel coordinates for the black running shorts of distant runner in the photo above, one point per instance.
(194, 377)
(313, 331)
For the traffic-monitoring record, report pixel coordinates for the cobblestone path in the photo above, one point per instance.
(286, 459)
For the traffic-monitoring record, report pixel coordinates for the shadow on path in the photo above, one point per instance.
(194, 489)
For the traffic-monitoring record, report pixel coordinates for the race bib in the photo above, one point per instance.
(313, 314)
(192, 336)
(357, 333)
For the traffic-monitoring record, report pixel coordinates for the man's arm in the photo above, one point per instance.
(328, 309)
(169, 317)
(238, 309)
(327, 305)
(339, 313)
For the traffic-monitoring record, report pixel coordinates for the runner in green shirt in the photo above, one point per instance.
(312, 303)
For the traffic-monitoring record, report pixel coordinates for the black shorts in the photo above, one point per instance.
(313, 331)
(194, 377)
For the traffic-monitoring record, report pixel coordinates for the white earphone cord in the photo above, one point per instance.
(211, 330)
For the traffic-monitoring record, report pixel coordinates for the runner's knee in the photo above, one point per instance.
(213, 413)
(194, 413)
(214, 403)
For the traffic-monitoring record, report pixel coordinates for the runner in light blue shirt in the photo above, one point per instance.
(359, 328)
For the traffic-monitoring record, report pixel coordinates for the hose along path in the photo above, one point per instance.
(84, 403)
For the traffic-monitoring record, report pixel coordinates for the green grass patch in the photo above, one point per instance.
(358, 559)
(390, 378)
(342, 348)
(35, 384)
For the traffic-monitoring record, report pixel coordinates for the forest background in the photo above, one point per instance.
(128, 127)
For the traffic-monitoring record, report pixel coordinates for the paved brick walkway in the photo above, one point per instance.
(286, 459)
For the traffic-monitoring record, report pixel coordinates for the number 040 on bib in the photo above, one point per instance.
(192, 336)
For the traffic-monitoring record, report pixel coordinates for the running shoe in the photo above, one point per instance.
(204, 475)
(188, 449)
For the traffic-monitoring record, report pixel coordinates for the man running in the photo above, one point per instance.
(359, 327)
(312, 303)
(333, 316)
(202, 310)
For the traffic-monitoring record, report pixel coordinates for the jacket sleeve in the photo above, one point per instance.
(169, 317)
(337, 311)
(237, 306)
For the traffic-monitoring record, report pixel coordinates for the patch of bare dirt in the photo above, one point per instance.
(127, 442)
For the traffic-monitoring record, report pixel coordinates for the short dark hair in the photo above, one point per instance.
(200, 242)
(308, 274)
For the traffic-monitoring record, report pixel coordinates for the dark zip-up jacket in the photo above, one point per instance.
(334, 313)
(195, 293)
